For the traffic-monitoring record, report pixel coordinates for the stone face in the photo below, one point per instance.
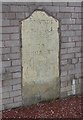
(69, 16)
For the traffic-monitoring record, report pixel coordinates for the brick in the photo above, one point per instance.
(78, 21)
(63, 84)
(17, 99)
(26, 14)
(15, 49)
(64, 39)
(6, 63)
(78, 44)
(11, 82)
(79, 80)
(63, 94)
(78, 65)
(78, 75)
(64, 78)
(75, 38)
(16, 81)
(64, 27)
(0, 51)
(75, 15)
(9, 16)
(78, 32)
(67, 45)
(5, 23)
(67, 67)
(0, 83)
(10, 29)
(2, 70)
(63, 73)
(17, 75)
(13, 69)
(7, 89)
(6, 83)
(12, 43)
(80, 60)
(12, 105)
(80, 15)
(60, 15)
(66, 9)
(5, 50)
(15, 56)
(63, 62)
(78, 91)
(74, 60)
(77, 9)
(7, 76)
(69, 82)
(6, 57)
(5, 37)
(63, 89)
(16, 62)
(69, 61)
(19, 4)
(74, 27)
(68, 33)
(14, 22)
(43, 3)
(1, 77)
(3, 107)
(59, 3)
(78, 55)
(74, 71)
(5, 95)
(33, 8)
(0, 91)
(7, 101)
(14, 36)
(5, 8)
(15, 93)
(74, 50)
(66, 56)
(1, 15)
(20, 15)
(17, 87)
(63, 51)
(2, 44)
(67, 15)
(18, 8)
(68, 88)
(75, 4)
(68, 21)
(69, 93)
(52, 8)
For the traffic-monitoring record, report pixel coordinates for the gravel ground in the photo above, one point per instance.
(66, 108)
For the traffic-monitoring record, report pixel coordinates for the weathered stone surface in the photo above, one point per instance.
(39, 58)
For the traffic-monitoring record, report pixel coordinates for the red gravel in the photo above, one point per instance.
(66, 108)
